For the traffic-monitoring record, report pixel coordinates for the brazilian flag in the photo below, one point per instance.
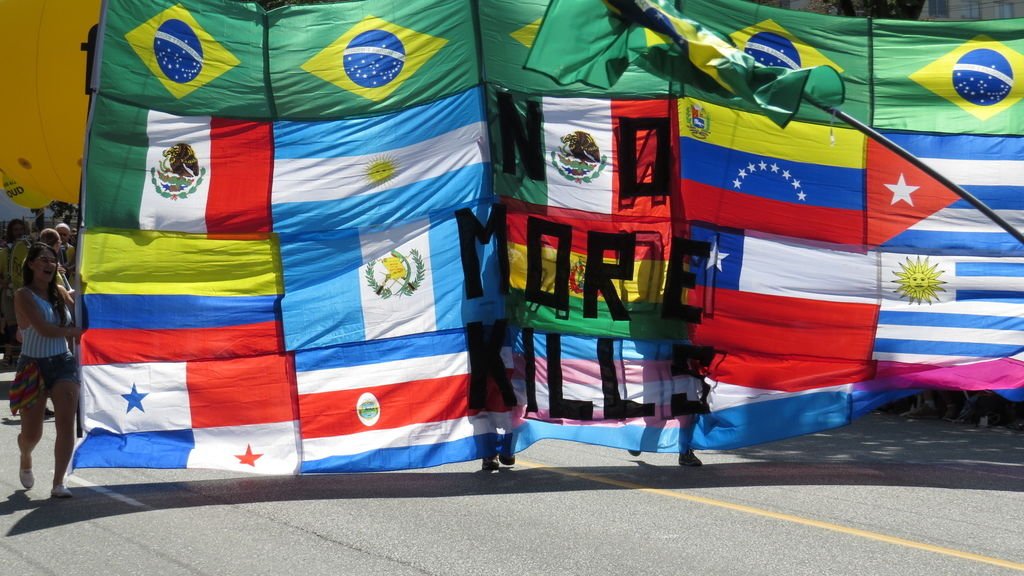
(953, 77)
(369, 57)
(790, 39)
(185, 56)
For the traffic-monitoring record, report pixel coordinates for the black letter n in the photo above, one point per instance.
(527, 140)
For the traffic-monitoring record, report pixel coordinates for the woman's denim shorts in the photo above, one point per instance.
(54, 368)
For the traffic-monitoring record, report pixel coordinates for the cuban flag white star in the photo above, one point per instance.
(901, 191)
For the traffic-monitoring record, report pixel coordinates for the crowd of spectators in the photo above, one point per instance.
(15, 242)
(983, 408)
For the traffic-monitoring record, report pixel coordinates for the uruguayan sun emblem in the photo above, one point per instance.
(918, 281)
(381, 170)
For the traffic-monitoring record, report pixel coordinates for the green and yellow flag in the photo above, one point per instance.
(508, 29)
(186, 57)
(793, 40)
(949, 76)
(594, 42)
(370, 57)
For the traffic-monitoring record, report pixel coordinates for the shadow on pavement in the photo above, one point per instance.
(887, 451)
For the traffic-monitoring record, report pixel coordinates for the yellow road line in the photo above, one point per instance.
(779, 516)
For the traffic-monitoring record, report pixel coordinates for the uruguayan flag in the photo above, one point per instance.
(947, 310)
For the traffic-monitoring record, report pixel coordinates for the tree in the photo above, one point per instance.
(64, 212)
(895, 9)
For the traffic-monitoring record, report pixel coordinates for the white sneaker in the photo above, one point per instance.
(60, 491)
(28, 480)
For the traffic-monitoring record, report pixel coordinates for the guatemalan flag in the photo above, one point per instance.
(384, 282)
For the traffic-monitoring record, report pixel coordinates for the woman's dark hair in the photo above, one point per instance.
(53, 296)
(9, 234)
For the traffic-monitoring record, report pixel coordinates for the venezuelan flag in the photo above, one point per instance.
(741, 170)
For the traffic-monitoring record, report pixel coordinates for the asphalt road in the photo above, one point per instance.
(884, 496)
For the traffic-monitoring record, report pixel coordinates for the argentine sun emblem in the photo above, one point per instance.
(579, 159)
(918, 281)
(178, 175)
(399, 275)
(380, 170)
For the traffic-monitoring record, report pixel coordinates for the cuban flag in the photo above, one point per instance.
(912, 212)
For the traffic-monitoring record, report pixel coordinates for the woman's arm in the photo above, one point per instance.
(69, 298)
(29, 315)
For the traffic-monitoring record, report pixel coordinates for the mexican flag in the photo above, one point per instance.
(150, 170)
(614, 157)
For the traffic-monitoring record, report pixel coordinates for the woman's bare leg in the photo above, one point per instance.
(65, 404)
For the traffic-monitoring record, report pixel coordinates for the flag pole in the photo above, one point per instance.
(901, 152)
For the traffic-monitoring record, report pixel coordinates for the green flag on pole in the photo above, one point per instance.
(594, 42)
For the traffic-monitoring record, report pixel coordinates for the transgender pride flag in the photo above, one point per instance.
(613, 392)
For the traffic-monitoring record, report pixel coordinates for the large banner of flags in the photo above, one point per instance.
(365, 236)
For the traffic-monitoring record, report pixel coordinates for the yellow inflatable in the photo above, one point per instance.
(43, 105)
(19, 195)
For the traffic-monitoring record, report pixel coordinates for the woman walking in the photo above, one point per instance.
(44, 317)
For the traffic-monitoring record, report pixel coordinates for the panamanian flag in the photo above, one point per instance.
(191, 415)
